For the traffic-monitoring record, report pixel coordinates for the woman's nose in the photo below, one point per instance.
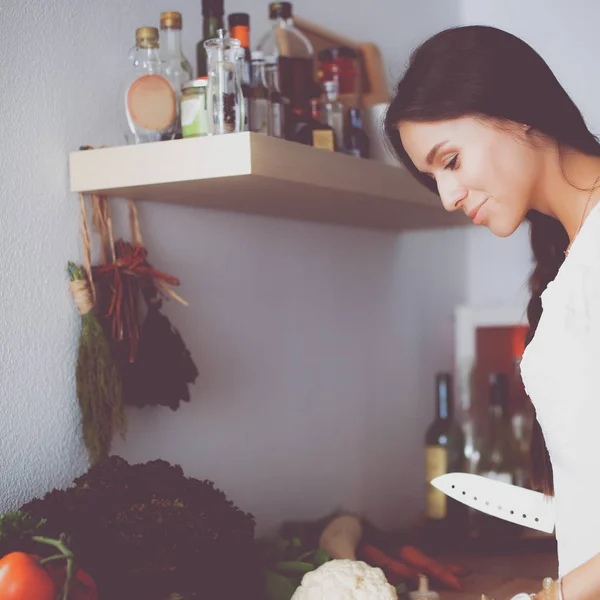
(452, 198)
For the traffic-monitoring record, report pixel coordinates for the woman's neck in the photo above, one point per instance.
(563, 194)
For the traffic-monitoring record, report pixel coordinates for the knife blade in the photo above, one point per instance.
(502, 500)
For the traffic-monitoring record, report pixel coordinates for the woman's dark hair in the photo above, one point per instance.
(489, 74)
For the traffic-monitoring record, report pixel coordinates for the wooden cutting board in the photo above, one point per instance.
(494, 587)
(373, 82)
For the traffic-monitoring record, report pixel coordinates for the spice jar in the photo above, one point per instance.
(339, 64)
(194, 115)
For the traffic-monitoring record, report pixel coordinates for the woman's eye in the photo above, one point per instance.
(452, 164)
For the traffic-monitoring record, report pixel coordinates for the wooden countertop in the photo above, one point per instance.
(504, 575)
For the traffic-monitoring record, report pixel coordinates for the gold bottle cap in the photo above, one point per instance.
(146, 37)
(170, 20)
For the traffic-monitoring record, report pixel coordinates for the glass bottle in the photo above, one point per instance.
(423, 592)
(178, 69)
(259, 102)
(224, 92)
(294, 53)
(150, 105)
(499, 454)
(239, 28)
(445, 518)
(212, 20)
(333, 113)
(276, 120)
(356, 141)
(310, 129)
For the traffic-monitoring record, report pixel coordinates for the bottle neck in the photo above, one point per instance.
(258, 74)
(273, 79)
(356, 120)
(497, 413)
(142, 55)
(332, 97)
(444, 402)
(281, 23)
(170, 41)
(211, 24)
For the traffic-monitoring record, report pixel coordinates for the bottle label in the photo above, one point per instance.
(436, 463)
(323, 138)
(194, 118)
(151, 103)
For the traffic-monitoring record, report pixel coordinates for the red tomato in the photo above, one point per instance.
(82, 585)
(22, 578)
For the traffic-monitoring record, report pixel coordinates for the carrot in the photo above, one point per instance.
(417, 559)
(391, 566)
(458, 570)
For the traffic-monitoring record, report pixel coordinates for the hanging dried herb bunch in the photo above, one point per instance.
(155, 365)
(97, 377)
(98, 383)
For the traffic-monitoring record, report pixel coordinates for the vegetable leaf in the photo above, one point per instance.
(294, 566)
(278, 587)
(320, 557)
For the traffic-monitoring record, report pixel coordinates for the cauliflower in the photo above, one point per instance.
(345, 579)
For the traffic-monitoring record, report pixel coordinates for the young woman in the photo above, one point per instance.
(480, 119)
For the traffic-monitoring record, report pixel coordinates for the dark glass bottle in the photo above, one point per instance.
(500, 456)
(356, 141)
(446, 519)
(212, 13)
(310, 129)
(294, 54)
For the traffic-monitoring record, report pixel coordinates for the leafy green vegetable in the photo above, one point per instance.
(285, 562)
(294, 566)
(19, 524)
(320, 557)
(278, 587)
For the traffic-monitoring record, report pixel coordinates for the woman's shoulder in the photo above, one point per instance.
(575, 292)
(586, 247)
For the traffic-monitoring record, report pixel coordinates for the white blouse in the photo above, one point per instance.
(561, 373)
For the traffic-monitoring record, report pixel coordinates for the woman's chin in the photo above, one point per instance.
(500, 229)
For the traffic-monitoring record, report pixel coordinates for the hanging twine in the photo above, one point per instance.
(83, 290)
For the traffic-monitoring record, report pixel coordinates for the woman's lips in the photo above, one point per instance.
(476, 213)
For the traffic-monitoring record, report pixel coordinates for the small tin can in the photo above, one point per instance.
(194, 115)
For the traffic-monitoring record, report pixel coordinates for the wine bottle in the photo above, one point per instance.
(500, 455)
(444, 453)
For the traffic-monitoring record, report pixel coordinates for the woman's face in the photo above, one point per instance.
(487, 172)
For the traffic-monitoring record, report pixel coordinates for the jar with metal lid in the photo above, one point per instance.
(194, 115)
(339, 64)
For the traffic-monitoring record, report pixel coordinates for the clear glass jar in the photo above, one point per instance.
(224, 90)
(194, 114)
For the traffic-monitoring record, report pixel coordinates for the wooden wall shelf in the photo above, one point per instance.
(256, 174)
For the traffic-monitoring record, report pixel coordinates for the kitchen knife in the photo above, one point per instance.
(503, 500)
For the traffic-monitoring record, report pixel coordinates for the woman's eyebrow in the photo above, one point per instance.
(432, 153)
